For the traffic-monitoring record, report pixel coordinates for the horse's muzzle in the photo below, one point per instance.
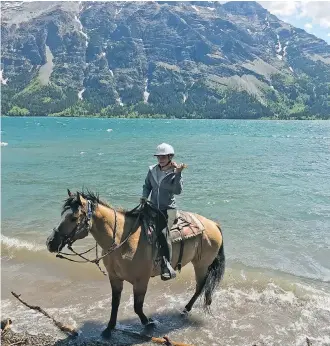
(53, 242)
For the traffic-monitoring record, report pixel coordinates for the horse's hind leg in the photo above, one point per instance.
(208, 276)
(117, 287)
(200, 275)
(139, 290)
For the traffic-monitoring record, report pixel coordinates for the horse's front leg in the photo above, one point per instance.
(117, 287)
(139, 290)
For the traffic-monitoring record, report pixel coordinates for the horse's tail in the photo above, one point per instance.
(214, 275)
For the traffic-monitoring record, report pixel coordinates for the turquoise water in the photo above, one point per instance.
(266, 182)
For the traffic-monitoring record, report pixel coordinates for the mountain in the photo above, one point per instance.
(182, 59)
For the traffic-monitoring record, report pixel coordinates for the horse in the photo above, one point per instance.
(119, 232)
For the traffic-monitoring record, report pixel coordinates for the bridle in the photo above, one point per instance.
(85, 226)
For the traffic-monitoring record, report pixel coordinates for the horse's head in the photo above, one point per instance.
(75, 224)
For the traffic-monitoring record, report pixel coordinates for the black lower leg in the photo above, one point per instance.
(138, 307)
(114, 309)
(192, 301)
(117, 287)
(199, 287)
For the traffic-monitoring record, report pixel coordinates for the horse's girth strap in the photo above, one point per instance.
(179, 264)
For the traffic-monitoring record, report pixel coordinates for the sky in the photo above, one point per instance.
(312, 16)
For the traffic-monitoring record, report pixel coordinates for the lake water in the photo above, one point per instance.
(266, 182)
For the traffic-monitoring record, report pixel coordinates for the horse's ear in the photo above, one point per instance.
(79, 198)
(69, 193)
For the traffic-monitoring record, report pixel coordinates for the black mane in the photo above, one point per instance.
(72, 203)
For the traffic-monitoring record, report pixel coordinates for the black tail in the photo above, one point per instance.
(214, 275)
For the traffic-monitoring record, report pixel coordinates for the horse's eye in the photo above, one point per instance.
(73, 218)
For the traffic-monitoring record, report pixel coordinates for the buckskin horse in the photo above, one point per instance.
(129, 255)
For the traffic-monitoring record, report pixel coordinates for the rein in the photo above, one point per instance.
(88, 222)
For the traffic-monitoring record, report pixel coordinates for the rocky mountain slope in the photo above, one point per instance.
(183, 59)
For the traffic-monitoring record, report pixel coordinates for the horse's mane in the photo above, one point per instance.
(72, 203)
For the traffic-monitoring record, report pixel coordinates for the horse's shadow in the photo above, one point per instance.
(167, 322)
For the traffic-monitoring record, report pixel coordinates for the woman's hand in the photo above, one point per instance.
(179, 167)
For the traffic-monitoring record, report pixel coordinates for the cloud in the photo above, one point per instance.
(281, 8)
(308, 26)
(318, 12)
(328, 34)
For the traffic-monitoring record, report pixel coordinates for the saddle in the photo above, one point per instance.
(186, 226)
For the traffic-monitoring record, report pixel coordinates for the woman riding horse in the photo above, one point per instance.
(128, 255)
(163, 181)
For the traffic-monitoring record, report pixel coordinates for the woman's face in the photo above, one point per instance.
(163, 160)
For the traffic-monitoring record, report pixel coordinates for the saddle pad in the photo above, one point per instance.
(187, 225)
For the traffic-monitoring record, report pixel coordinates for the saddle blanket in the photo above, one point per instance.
(186, 226)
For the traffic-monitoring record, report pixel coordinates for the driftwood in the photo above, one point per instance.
(64, 328)
(71, 331)
(162, 341)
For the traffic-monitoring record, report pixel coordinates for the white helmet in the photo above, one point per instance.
(164, 149)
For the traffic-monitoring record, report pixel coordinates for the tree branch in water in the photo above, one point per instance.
(64, 328)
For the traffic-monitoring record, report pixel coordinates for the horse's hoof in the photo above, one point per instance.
(106, 334)
(209, 302)
(184, 313)
(151, 322)
(149, 326)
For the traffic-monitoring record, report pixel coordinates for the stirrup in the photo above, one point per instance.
(168, 272)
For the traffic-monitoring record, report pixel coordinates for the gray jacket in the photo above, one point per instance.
(162, 193)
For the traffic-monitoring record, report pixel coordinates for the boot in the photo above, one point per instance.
(168, 272)
(166, 247)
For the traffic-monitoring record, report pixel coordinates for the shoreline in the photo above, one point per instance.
(164, 117)
(11, 338)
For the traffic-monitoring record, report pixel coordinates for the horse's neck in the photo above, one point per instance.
(105, 221)
(103, 225)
